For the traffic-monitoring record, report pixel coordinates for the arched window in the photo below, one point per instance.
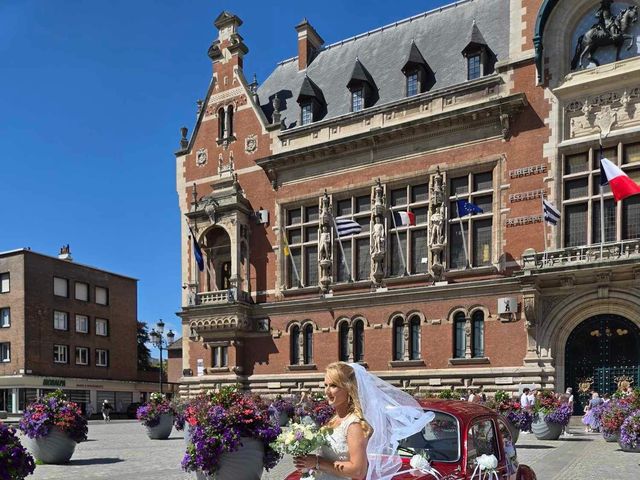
(414, 338)
(343, 332)
(229, 126)
(295, 345)
(358, 341)
(460, 338)
(477, 320)
(308, 344)
(398, 338)
(221, 124)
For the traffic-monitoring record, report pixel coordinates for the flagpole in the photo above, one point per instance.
(464, 240)
(344, 259)
(404, 264)
(601, 206)
(290, 255)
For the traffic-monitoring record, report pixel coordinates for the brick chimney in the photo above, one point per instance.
(309, 43)
(229, 48)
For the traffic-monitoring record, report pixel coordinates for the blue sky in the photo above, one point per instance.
(92, 96)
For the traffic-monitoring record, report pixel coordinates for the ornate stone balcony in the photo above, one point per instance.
(575, 256)
(222, 297)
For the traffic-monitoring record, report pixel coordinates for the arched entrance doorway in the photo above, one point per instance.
(600, 350)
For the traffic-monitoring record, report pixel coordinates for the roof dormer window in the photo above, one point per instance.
(362, 88)
(413, 84)
(311, 101)
(480, 58)
(419, 76)
(357, 99)
(473, 67)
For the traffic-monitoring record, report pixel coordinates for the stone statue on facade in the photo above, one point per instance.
(324, 243)
(610, 30)
(377, 242)
(437, 238)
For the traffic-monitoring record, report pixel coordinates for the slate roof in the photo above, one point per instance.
(440, 35)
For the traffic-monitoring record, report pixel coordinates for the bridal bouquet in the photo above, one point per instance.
(300, 439)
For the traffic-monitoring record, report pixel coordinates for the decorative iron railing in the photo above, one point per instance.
(608, 252)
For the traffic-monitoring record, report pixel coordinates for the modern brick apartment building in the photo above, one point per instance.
(475, 101)
(66, 325)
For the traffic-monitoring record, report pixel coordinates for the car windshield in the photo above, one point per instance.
(439, 440)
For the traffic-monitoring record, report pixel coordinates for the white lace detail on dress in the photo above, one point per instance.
(337, 449)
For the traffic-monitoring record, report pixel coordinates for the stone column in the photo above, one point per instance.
(437, 238)
(468, 353)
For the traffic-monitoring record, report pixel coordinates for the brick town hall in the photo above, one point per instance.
(326, 201)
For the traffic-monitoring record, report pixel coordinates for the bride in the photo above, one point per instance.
(371, 417)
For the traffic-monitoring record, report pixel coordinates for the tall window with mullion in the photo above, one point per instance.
(301, 229)
(581, 197)
(302, 344)
(408, 241)
(355, 246)
(475, 188)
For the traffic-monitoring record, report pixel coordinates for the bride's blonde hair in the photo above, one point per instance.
(344, 377)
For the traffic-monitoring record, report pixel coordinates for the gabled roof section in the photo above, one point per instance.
(440, 35)
(225, 18)
(414, 59)
(309, 89)
(360, 75)
(476, 40)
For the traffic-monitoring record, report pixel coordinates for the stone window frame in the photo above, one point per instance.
(471, 195)
(592, 197)
(410, 205)
(345, 327)
(454, 318)
(301, 355)
(410, 357)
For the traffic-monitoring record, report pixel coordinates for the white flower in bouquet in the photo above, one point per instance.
(420, 462)
(301, 439)
(487, 462)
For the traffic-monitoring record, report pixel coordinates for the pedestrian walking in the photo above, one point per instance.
(90, 410)
(106, 411)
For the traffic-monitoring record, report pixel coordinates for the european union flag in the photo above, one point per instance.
(467, 208)
(197, 251)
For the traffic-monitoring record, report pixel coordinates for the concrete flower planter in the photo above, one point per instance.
(611, 437)
(546, 430)
(247, 463)
(55, 448)
(628, 448)
(163, 429)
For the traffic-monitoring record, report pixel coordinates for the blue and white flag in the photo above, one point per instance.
(346, 226)
(551, 213)
(467, 208)
(197, 251)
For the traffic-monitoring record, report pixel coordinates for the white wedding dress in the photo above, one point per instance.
(337, 449)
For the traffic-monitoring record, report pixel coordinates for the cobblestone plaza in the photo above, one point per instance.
(122, 450)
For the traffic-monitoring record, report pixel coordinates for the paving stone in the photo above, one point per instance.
(121, 450)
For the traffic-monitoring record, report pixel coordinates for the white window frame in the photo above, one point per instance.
(61, 287)
(59, 316)
(99, 330)
(78, 294)
(61, 354)
(102, 357)
(79, 355)
(5, 317)
(86, 323)
(5, 282)
(5, 352)
(358, 99)
(99, 291)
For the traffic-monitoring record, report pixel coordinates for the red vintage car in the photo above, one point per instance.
(460, 433)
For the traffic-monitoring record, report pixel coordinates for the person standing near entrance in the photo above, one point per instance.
(106, 411)
(567, 398)
(89, 410)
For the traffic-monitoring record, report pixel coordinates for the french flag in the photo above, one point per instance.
(621, 185)
(404, 218)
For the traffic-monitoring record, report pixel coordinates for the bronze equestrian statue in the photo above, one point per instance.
(609, 30)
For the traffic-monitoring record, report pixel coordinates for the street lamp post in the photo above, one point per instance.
(160, 340)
